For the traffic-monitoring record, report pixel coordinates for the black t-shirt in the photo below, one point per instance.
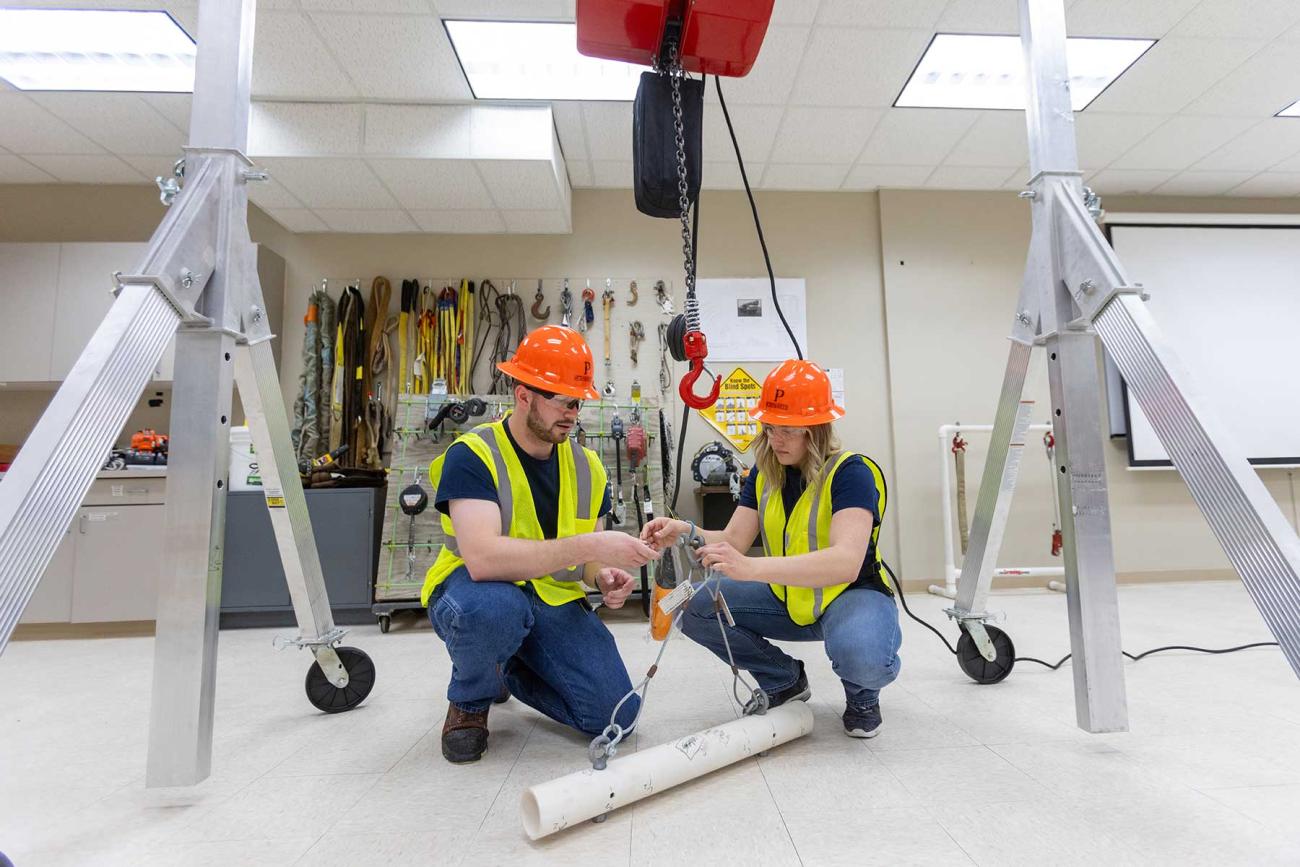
(466, 477)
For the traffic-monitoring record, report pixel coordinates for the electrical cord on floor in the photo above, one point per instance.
(898, 588)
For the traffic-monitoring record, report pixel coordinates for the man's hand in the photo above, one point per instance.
(612, 546)
(615, 586)
(662, 533)
(725, 559)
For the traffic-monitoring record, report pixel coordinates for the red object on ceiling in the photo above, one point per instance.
(719, 37)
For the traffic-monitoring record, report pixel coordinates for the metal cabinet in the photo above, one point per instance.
(28, 279)
(119, 554)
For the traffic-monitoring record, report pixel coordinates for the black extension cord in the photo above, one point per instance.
(898, 588)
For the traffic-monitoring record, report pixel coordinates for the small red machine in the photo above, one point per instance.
(718, 37)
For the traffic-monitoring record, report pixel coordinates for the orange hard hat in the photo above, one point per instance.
(798, 393)
(555, 359)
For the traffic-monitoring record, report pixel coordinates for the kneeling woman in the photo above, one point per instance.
(818, 510)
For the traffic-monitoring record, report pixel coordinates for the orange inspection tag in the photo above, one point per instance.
(660, 623)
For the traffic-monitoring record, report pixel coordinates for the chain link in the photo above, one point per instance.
(676, 74)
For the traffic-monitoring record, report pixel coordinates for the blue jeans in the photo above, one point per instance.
(859, 627)
(557, 659)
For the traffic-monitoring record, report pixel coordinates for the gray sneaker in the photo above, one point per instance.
(862, 722)
(797, 691)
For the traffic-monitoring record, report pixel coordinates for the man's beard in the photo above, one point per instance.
(539, 429)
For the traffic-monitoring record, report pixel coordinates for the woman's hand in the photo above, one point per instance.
(727, 560)
(615, 586)
(662, 533)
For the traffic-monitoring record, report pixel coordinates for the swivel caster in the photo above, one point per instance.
(385, 622)
(329, 698)
(978, 668)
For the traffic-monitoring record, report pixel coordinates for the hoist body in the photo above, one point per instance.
(717, 37)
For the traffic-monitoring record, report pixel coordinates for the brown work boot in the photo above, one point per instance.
(464, 735)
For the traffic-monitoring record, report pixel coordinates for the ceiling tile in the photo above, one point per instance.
(1248, 19)
(375, 7)
(580, 175)
(919, 14)
(824, 135)
(968, 178)
(403, 57)
(794, 11)
(1111, 182)
(368, 222)
(980, 16)
(460, 222)
(29, 129)
(1103, 137)
(510, 10)
(429, 131)
(121, 122)
(521, 185)
(1181, 142)
(1261, 147)
(503, 132)
(173, 106)
(152, 166)
(609, 129)
(1019, 179)
(890, 177)
(330, 183)
(611, 173)
(1149, 18)
(98, 169)
(1202, 183)
(298, 220)
(536, 222)
(1269, 185)
(434, 185)
(908, 136)
(755, 125)
(773, 75)
(849, 66)
(787, 176)
(297, 63)
(568, 126)
(15, 170)
(271, 194)
(726, 175)
(1172, 73)
(997, 138)
(1261, 87)
(1290, 165)
(286, 129)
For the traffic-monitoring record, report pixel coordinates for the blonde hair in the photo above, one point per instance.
(821, 444)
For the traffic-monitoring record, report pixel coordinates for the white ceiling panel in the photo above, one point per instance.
(516, 10)
(1202, 183)
(173, 106)
(298, 220)
(297, 64)
(1113, 182)
(997, 138)
(580, 175)
(27, 128)
(1019, 179)
(568, 126)
(609, 130)
(1290, 165)
(282, 129)
(330, 183)
(121, 122)
(428, 131)
(911, 136)
(1270, 184)
(756, 127)
(849, 66)
(1151, 19)
(889, 177)
(152, 166)
(1262, 86)
(434, 185)
(15, 170)
(968, 178)
(93, 169)
(724, 175)
(773, 75)
(1103, 137)
(535, 222)
(824, 135)
(1172, 73)
(271, 195)
(1261, 147)
(459, 222)
(373, 7)
(611, 173)
(521, 185)
(401, 57)
(1248, 19)
(981, 16)
(1182, 141)
(511, 132)
(794, 11)
(787, 176)
(880, 13)
(367, 222)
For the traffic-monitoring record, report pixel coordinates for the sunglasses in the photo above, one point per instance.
(563, 401)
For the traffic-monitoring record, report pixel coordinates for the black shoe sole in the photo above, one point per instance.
(468, 760)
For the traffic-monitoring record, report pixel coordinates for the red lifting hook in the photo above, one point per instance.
(697, 349)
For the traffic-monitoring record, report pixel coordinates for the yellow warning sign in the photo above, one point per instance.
(275, 502)
(730, 415)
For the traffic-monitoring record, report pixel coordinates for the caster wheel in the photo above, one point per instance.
(458, 413)
(329, 698)
(385, 622)
(978, 668)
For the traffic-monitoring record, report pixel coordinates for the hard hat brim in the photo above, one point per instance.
(529, 377)
(769, 416)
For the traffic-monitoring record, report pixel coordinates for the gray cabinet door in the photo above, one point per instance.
(29, 276)
(85, 292)
(52, 601)
(119, 554)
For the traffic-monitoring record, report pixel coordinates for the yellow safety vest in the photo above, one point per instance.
(582, 488)
(806, 529)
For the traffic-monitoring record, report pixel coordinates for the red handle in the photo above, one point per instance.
(697, 349)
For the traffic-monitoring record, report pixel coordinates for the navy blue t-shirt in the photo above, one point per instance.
(853, 487)
(466, 477)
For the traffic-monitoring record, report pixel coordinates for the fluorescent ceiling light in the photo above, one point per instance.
(533, 60)
(963, 71)
(83, 49)
(1292, 110)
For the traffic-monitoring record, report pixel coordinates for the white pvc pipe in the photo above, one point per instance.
(553, 806)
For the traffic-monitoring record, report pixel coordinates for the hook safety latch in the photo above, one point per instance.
(696, 350)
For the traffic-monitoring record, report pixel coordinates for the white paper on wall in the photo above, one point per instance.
(836, 375)
(742, 324)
